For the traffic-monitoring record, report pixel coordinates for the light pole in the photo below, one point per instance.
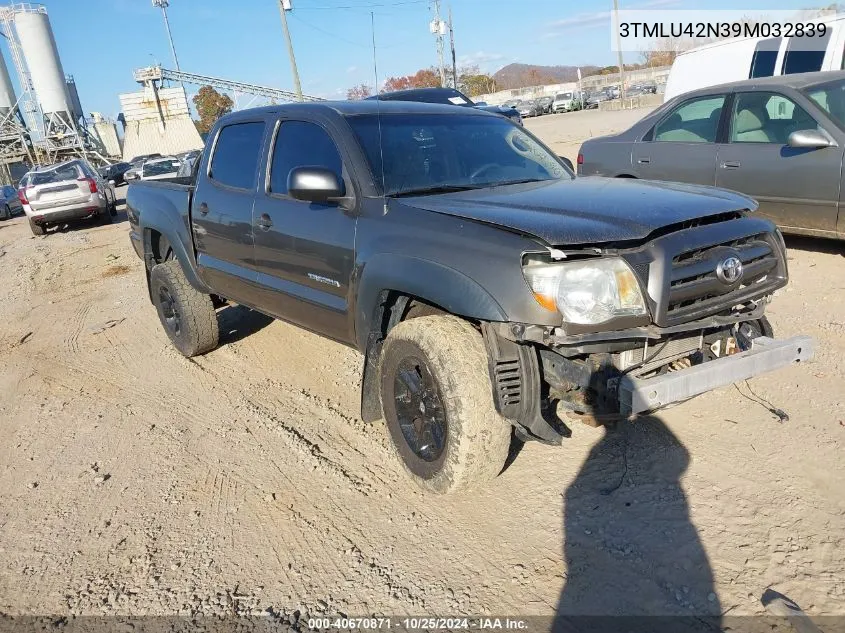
(163, 4)
(619, 56)
(284, 5)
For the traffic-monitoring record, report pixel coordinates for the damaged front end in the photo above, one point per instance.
(703, 327)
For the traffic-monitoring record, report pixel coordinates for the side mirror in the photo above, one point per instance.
(567, 162)
(314, 184)
(111, 182)
(809, 139)
(481, 103)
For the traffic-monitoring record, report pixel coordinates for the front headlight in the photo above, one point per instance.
(587, 292)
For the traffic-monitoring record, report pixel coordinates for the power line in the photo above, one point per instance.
(364, 6)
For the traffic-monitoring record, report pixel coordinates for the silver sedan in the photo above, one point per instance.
(779, 139)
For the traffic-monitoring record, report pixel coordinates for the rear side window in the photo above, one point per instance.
(805, 54)
(765, 55)
(301, 144)
(236, 155)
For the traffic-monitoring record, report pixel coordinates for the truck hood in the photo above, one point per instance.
(586, 210)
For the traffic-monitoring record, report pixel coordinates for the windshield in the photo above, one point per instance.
(564, 95)
(60, 174)
(161, 167)
(830, 97)
(425, 152)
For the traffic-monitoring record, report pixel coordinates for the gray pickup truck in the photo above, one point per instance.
(492, 293)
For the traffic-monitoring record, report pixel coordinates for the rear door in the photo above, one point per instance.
(304, 251)
(682, 145)
(795, 187)
(221, 211)
(65, 185)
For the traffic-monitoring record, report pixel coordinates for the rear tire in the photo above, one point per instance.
(437, 366)
(187, 315)
(37, 229)
(7, 212)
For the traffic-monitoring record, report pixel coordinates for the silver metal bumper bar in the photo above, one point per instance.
(765, 355)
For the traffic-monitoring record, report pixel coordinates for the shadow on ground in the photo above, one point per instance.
(634, 560)
(236, 322)
(815, 244)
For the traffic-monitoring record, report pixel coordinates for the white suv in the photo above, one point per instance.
(68, 191)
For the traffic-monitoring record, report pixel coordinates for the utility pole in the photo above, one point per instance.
(452, 42)
(284, 5)
(438, 27)
(163, 4)
(619, 56)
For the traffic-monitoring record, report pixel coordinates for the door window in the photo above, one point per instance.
(301, 144)
(236, 154)
(765, 117)
(805, 54)
(695, 121)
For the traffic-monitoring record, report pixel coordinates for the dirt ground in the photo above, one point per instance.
(135, 481)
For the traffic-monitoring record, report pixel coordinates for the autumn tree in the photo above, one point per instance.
(210, 105)
(361, 91)
(472, 82)
(424, 78)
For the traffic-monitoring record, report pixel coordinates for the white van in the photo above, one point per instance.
(738, 59)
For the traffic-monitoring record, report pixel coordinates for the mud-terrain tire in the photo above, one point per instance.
(459, 441)
(187, 315)
(37, 229)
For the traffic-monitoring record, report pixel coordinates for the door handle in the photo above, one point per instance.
(203, 208)
(730, 164)
(264, 221)
(645, 160)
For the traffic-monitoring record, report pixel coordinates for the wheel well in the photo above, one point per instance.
(160, 246)
(392, 307)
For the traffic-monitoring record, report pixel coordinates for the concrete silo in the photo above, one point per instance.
(8, 100)
(45, 67)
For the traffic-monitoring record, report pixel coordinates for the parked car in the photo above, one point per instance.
(564, 102)
(530, 108)
(546, 104)
(484, 283)
(160, 169)
(777, 139)
(447, 96)
(68, 191)
(592, 100)
(115, 172)
(134, 171)
(749, 58)
(11, 203)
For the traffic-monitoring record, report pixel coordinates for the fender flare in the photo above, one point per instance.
(440, 285)
(176, 233)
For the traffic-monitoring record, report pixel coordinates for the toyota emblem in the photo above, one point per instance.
(729, 270)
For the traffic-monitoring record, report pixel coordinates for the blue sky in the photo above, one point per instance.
(102, 41)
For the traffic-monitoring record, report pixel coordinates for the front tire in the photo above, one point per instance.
(186, 314)
(7, 212)
(438, 404)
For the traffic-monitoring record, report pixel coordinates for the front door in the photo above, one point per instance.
(682, 146)
(221, 211)
(796, 187)
(304, 251)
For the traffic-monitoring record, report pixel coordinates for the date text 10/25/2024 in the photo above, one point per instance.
(417, 624)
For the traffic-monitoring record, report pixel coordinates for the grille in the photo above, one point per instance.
(695, 287)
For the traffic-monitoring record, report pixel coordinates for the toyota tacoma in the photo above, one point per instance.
(491, 292)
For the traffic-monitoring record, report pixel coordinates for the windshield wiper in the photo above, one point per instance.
(515, 182)
(424, 191)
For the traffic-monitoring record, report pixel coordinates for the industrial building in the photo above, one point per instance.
(43, 122)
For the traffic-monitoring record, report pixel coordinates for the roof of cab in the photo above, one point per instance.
(353, 108)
